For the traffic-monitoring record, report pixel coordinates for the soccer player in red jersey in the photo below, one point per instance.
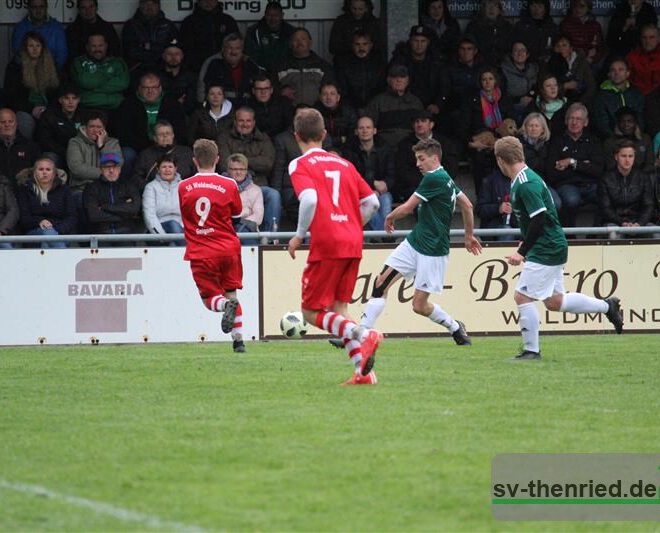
(335, 202)
(208, 204)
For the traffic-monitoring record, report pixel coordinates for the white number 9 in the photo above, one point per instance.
(202, 208)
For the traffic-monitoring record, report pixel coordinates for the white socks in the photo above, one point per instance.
(373, 309)
(575, 302)
(439, 316)
(529, 326)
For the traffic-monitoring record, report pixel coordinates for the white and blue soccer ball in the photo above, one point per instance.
(293, 325)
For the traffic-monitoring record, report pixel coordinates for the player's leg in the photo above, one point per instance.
(232, 320)
(376, 304)
(536, 282)
(430, 278)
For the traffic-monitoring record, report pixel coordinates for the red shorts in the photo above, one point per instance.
(217, 275)
(327, 281)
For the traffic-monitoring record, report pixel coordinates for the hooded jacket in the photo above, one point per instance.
(146, 167)
(609, 99)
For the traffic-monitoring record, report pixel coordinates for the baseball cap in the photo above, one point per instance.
(397, 71)
(174, 43)
(110, 159)
(422, 30)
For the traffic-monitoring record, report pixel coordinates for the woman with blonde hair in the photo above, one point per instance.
(45, 202)
(31, 82)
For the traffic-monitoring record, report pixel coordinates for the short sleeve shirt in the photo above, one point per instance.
(208, 204)
(438, 193)
(336, 228)
(529, 197)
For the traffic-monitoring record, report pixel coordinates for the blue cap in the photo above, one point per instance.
(110, 159)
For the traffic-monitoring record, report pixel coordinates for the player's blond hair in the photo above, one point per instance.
(308, 124)
(510, 150)
(429, 147)
(205, 152)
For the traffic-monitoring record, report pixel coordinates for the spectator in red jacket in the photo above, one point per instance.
(644, 61)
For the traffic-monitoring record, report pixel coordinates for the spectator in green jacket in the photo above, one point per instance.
(102, 79)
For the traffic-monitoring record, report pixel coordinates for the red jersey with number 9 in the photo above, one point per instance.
(337, 225)
(208, 204)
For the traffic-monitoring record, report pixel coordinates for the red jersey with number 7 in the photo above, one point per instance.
(336, 228)
(208, 204)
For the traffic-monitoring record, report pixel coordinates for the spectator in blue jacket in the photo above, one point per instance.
(37, 20)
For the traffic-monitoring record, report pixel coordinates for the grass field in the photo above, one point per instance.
(175, 437)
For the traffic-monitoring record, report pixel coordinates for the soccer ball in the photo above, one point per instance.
(293, 325)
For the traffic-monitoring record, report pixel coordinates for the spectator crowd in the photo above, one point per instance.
(96, 128)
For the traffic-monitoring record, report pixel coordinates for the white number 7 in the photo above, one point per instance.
(335, 176)
(202, 208)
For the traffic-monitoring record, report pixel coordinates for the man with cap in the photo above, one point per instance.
(394, 109)
(112, 206)
(424, 66)
(407, 174)
(177, 79)
(59, 123)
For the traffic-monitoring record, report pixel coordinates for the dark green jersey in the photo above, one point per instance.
(430, 236)
(529, 197)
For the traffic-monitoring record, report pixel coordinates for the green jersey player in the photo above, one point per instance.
(425, 252)
(543, 251)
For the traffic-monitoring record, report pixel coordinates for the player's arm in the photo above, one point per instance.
(308, 200)
(537, 214)
(368, 206)
(405, 209)
(472, 244)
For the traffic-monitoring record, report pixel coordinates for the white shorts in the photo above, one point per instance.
(540, 281)
(428, 271)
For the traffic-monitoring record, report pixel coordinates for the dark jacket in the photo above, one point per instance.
(588, 153)
(408, 176)
(393, 115)
(144, 40)
(113, 207)
(360, 79)
(535, 155)
(621, 42)
(493, 37)
(458, 85)
(257, 147)
(580, 72)
(202, 33)
(556, 123)
(377, 164)
(495, 189)
(131, 122)
(182, 87)
(304, 75)
(265, 46)
(446, 43)
(201, 125)
(343, 28)
(608, 101)
(652, 112)
(79, 31)
(274, 116)
(339, 122)
(54, 129)
(146, 166)
(219, 72)
(626, 199)
(16, 156)
(9, 211)
(60, 209)
(537, 35)
(18, 97)
(644, 157)
(425, 75)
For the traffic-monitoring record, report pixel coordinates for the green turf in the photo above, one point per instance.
(196, 435)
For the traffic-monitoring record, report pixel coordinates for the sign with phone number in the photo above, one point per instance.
(12, 11)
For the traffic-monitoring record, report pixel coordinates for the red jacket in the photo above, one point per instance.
(644, 69)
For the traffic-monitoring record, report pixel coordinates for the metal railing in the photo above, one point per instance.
(95, 240)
